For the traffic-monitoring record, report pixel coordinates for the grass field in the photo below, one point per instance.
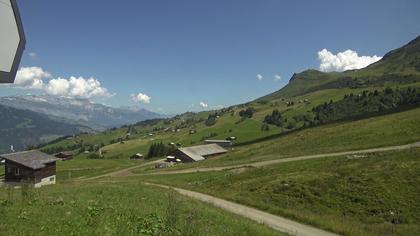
(393, 129)
(114, 209)
(375, 194)
(84, 167)
(227, 125)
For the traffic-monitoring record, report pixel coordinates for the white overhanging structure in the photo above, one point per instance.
(12, 40)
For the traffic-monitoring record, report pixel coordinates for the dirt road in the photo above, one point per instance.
(275, 222)
(298, 158)
(124, 172)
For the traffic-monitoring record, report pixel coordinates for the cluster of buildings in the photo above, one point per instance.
(38, 169)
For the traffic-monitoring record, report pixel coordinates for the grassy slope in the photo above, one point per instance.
(393, 129)
(373, 195)
(82, 167)
(113, 209)
(227, 125)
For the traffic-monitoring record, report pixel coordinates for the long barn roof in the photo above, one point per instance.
(33, 159)
(198, 153)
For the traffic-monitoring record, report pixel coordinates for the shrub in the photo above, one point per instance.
(247, 113)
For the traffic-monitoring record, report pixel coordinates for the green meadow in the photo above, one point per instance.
(388, 130)
(107, 208)
(373, 194)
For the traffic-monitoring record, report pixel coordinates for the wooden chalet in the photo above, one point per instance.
(64, 156)
(30, 167)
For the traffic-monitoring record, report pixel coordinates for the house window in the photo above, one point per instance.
(17, 171)
(9, 170)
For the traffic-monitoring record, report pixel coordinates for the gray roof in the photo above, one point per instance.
(33, 159)
(197, 153)
(217, 141)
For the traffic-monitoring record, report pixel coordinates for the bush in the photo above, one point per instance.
(94, 156)
(247, 113)
(211, 120)
(275, 119)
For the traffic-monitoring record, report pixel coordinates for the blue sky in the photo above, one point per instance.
(181, 53)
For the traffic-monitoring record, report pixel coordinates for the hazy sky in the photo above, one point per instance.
(175, 56)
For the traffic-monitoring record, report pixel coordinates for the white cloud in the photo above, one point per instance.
(36, 78)
(141, 97)
(259, 77)
(277, 77)
(347, 60)
(76, 87)
(32, 55)
(31, 78)
(204, 105)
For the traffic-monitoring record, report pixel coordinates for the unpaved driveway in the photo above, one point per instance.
(275, 222)
(271, 162)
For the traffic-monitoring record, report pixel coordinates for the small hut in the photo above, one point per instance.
(136, 156)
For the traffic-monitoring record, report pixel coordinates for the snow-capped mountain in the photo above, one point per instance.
(79, 111)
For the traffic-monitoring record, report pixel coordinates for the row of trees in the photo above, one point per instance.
(367, 104)
(160, 149)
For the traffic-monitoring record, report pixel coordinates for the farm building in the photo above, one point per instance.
(222, 143)
(172, 159)
(64, 156)
(198, 153)
(137, 156)
(32, 167)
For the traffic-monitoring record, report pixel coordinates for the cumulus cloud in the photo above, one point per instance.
(347, 60)
(38, 79)
(76, 87)
(141, 97)
(31, 78)
(277, 77)
(259, 77)
(204, 105)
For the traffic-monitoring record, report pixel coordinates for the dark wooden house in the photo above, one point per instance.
(64, 156)
(30, 167)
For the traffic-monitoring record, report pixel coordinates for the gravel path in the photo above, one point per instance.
(275, 222)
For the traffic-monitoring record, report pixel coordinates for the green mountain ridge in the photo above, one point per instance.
(401, 66)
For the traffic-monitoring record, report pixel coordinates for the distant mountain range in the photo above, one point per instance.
(30, 120)
(79, 111)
